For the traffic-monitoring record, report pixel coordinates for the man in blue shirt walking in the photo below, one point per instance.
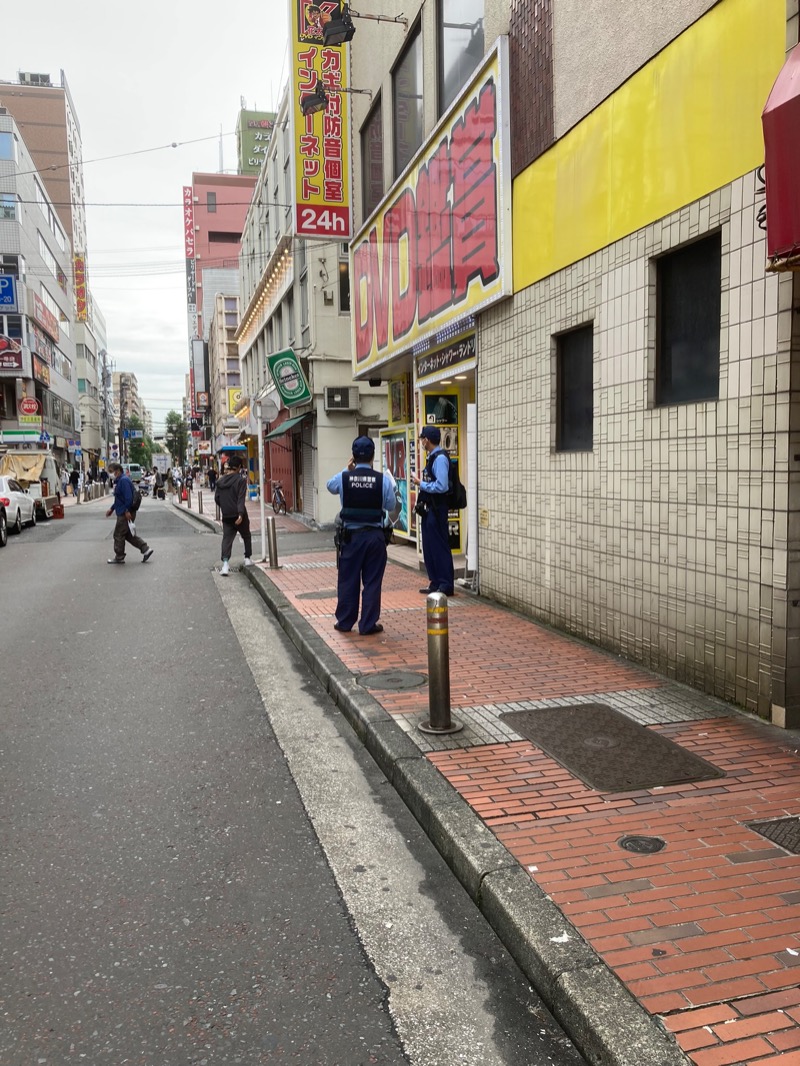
(365, 494)
(121, 507)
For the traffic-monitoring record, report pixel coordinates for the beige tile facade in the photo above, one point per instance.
(674, 541)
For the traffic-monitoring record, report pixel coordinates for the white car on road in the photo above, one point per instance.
(20, 507)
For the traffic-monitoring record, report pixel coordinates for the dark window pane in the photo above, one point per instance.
(372, 159)
(461, 46)
(211, 201)
(575, 398)
(687, 362)
(408, 112)
(344, 287)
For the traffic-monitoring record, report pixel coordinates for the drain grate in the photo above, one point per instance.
(785, 832)
(394, 680)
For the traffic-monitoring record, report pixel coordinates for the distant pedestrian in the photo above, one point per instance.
(74, 480)
(212, 478)
(64, 480)
(231, 498)
(158, 484)
(432, 502)
(366, 495)
(104, 478)
(122, 507)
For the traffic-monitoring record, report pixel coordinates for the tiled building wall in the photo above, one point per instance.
(663, 542)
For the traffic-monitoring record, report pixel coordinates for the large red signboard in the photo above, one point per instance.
(439, 249)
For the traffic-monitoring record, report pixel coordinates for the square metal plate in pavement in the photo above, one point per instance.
(607, 750)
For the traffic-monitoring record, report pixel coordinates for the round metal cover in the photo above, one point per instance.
(394, 680)
(643, 845)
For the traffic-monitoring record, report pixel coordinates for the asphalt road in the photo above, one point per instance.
(199, 863)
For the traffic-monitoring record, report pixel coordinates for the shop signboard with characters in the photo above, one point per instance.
(398, 453)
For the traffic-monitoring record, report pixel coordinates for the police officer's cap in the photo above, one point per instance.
(430, 433)
(363, 449)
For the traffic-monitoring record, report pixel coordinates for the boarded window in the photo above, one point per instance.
(574, 391)
(688, 326)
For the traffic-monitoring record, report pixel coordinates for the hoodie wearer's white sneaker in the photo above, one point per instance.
(224, 569)
(248, 561)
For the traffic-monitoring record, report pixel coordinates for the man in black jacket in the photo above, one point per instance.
(230, 496)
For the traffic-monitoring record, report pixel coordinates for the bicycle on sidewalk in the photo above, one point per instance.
(278, 499)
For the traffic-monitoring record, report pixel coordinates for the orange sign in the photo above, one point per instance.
(81, 305)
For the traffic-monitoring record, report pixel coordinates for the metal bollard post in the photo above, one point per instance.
(199, 502)
(218, 515)
(439, 720)
(189, 499)
(272, 543)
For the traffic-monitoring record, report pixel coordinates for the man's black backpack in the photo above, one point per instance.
(456, 493)
(137, 499)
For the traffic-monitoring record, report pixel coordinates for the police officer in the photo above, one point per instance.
(432, 502)
(365, 494)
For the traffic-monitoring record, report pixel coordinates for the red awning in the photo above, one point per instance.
(781, 123)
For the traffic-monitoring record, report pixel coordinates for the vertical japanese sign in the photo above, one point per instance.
(439, 247)
(79, 274)
(191, 266)
(321, 140)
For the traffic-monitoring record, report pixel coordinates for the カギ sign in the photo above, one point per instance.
(321, 140)
(439, 249)
(290, 381)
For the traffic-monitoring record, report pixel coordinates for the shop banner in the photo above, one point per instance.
(290, 381)
(439, 248)
(321, 140)
(81, 303)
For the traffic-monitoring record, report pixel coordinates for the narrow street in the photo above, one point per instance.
(181, 885)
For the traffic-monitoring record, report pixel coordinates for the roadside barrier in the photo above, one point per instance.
(439, 720)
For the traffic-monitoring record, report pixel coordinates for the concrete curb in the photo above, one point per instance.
(605, 1022)
(201, 518)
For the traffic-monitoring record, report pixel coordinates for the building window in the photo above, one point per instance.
(688, 284)
(461, 46)
(372, 159)
(223, 237)
(344, 285)
(574, 393)
(8, 206)
(8, 147)
(211, 202)
(407, 100)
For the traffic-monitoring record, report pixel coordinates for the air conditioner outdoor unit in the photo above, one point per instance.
(344, 399)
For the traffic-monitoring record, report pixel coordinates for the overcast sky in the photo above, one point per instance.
(142, 76)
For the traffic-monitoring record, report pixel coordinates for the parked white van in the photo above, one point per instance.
(134, 472)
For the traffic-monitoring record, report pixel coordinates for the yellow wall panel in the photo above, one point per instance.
(687, 123)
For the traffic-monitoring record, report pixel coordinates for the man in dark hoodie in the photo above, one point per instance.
(230, 496)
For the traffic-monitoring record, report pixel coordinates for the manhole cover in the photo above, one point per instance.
(608, 750)
(321, 594)
(783, 831)
(395, 680)
(642, 845)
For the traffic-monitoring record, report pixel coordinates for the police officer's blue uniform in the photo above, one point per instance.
(365, 494)
(436, 552)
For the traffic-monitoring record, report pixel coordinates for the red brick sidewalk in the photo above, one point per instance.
(706, 933)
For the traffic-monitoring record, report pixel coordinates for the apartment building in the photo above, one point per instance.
(38, 383)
